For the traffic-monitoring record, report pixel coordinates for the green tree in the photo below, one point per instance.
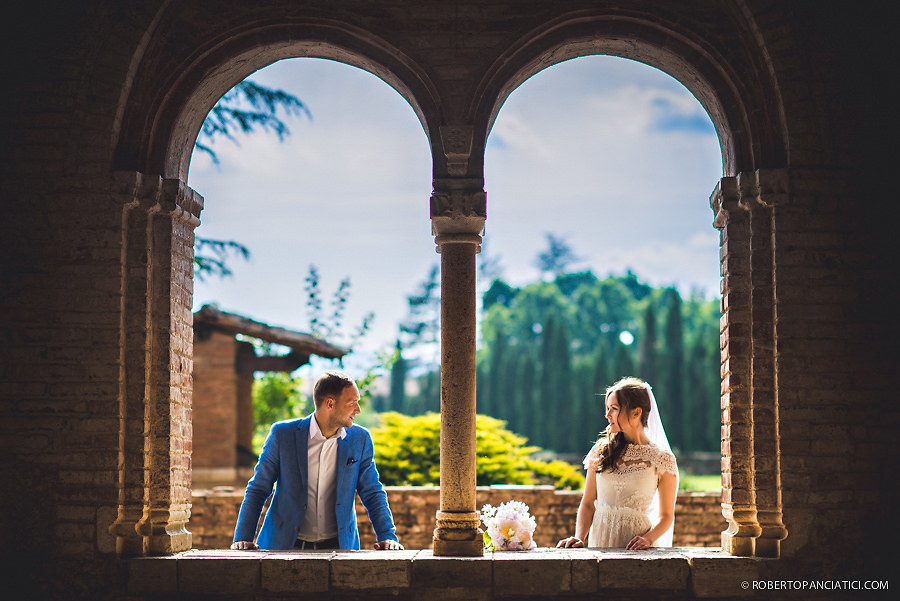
(243, 109)
(398, 380)
(647, 347)
(623, 364)
(558, 256)
(672, 408)
(544, 336)
(276, 396)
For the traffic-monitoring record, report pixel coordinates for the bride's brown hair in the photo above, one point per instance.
(631, 393)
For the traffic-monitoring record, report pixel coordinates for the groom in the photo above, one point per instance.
(319, 463)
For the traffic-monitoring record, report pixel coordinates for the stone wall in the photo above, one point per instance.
(698, 516)
(95, 366)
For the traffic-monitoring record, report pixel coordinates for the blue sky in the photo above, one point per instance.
(616, 156)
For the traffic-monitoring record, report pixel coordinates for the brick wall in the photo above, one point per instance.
(698, 516)
(215, 401)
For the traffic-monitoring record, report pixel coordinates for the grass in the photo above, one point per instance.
(696, 483)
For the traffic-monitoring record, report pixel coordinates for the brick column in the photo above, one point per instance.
(458, 214)
(760, 192)
(155, 394)
(137, 196)
(738, 499)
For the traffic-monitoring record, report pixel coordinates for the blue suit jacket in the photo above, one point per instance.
(283, 461)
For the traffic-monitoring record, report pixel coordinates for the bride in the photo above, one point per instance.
(631, 501)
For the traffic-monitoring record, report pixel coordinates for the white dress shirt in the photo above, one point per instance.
(321, 461)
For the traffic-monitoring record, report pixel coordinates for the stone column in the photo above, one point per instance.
(138, 194)
(458, 214)
(738, 498)
(760, 192)
(155, 395)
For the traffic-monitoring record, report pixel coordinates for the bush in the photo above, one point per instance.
(407, 451)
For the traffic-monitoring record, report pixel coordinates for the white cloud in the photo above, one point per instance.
(582, 154)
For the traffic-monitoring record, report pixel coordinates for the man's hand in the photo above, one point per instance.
(243, 545)
(388, 545)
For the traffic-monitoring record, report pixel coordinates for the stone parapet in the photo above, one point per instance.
(698, 516)
(677, 573)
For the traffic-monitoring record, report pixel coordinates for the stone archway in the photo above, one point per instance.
(175, 82)
(157, 132)
(743, 111)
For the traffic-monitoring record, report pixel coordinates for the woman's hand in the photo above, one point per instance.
(639, 542)
(567, 543)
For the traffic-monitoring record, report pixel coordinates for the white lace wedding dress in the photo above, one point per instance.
(625, 494)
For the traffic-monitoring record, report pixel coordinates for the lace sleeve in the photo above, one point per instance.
(665, 463)
(592, 459)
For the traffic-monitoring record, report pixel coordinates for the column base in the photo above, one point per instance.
(458, 534)
(741, 546)
(459, 548)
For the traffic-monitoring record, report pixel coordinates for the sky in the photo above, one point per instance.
(613, 155)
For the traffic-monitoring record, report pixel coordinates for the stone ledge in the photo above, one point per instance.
(691, 573)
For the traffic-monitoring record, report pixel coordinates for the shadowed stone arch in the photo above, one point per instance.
(175, 81)
(741, 100)
(189, 59)
(744, 104)
(169, 103)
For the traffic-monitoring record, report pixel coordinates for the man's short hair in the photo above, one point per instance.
(331, 384)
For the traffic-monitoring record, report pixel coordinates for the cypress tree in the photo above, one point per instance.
(647, 369)
(623, 365)
(493, 402)
(563, 376)
(398, 381)
(696, 398)
(547, 384)
(672, 408)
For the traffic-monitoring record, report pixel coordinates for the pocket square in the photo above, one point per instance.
(351, 461)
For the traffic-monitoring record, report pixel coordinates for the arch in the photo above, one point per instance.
(169, 102)
(736, 91)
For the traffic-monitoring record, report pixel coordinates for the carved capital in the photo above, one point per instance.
(457, 143)
(724, 200)
(181, 201)
(459, 203)
(458, 211)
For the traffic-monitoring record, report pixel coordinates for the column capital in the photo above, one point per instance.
(724, 200)
(181, 201)
(458, 208)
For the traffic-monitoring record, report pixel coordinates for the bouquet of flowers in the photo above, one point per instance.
(508, 527)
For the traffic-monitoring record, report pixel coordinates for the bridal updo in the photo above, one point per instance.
(631, 394)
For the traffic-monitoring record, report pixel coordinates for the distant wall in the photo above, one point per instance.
(698, 516)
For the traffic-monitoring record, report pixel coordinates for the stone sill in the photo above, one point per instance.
(682, 571)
